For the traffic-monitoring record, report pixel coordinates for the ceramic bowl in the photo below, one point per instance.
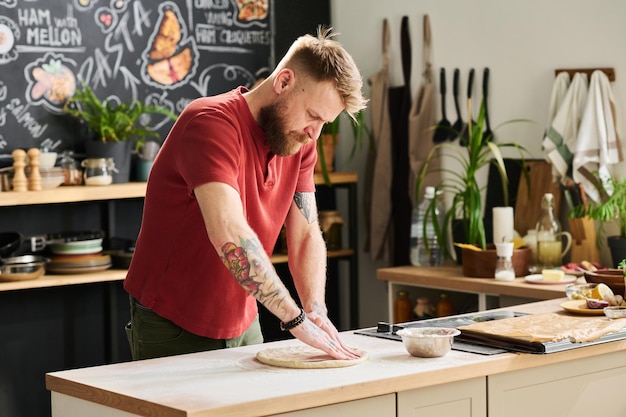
(614, 278)
(47, 160)
(579, 291)
(428, 342)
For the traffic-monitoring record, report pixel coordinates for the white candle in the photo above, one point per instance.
(502, 224)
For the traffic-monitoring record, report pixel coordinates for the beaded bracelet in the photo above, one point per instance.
(293, 323)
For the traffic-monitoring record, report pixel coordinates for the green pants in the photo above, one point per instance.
(152, 336)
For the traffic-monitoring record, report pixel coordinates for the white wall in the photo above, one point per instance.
(522, 42)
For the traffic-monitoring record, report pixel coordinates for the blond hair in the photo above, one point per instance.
(324, 59)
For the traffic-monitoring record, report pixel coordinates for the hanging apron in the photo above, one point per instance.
(378, 170)
(422, 118)
(399, 108)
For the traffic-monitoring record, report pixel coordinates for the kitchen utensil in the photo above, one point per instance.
(428, 342)
(487, 134)
(443, 129)
(459, 125)
(11, 241)
(22, 268)
(470, 118)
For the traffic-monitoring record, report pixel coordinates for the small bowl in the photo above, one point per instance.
(51, 178)
(615, 312)
(47, 160)
(579, 291)
(428, 342)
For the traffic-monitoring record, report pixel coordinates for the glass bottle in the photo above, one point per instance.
(403, 311)
(426, 252)
(549, 245)
(444, 306)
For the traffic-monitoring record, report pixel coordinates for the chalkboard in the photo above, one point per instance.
(165, 53)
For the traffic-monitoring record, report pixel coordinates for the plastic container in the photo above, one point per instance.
(425, 253)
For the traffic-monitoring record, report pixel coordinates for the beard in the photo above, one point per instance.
(280, 141)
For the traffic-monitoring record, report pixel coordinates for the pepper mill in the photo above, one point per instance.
(19, 164)
(34, 180)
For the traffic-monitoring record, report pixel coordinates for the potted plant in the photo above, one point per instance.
(610, 209)
(114, 123)
(329, 137)
(462, 185)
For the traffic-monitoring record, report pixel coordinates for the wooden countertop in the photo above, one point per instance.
(231, 383)
(451, 277)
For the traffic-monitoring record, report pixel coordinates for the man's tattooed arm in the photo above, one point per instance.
(250, 266)
(306, 202)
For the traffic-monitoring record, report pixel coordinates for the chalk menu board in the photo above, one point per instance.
(165, 53)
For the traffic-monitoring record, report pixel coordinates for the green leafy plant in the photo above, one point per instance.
(622, 266)
(610, 209)
(360, 133)
(462, 183)
(114, 122)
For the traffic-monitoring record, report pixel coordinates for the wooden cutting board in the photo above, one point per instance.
(528, 205)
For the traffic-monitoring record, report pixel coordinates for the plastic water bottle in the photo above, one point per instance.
(421, 255)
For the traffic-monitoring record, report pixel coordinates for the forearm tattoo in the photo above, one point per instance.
(305, 202)
(249, 265)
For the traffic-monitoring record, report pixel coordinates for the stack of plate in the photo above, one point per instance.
(78, 247)
(78, 257)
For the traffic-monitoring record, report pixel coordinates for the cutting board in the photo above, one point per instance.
(528, 205)
(550, 327)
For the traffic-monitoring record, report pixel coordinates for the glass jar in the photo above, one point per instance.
(98, 171)
(444, 306)
(403, 310)
(71, 169)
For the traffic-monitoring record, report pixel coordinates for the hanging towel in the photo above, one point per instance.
(399, 108)
(559, 89)
(598, 144)
(560, 140)
(380, 208)
(422, 118)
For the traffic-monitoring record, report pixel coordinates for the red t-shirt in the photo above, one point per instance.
(175, 270)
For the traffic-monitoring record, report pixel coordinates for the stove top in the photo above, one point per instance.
(480, 343)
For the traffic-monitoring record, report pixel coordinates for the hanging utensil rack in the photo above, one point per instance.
(610, 72)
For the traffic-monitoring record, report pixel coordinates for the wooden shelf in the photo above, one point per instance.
(57, 280)
(51, 280)
(70, 194)
(341, 253)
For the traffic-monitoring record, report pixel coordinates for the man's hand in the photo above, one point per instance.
(319, 332)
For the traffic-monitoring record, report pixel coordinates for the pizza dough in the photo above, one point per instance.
(305, 357)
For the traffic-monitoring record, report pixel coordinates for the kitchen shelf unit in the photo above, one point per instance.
(79, 317)
(136, 190)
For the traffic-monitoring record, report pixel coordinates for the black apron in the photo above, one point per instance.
(399, 108)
